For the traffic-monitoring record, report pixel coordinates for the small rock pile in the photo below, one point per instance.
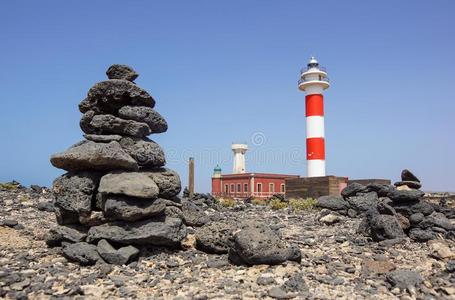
(116, 193)
(202, 200)
(392, 211)
(405, 212)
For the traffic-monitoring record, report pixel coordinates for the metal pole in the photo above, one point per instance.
(191, 177)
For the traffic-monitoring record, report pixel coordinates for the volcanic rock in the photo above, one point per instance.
(385, 227)
(173, 212)
(144, 151)
(403, 279)
(215, 237)
(437, 220)
(121, 72)
(158, 231)
(384, 208)
(83, 253)
(405, 195)
(111, 95)
(416, 218)
(407, 175)
(9, 223)
(131, 209)
(109, 124)
(131, 184)
(363, 201)
(168, 181)
(193, 215)
(409, 208)
(352, 189)
(421, 235)
(60, 234)
(332, 202)
(144, 114)
(103, 138)
(450, 266)
(113, 256)
(381, 189)
(257, 244)
(74, 193)
(84, 123)
(94, 156)
(46, 206)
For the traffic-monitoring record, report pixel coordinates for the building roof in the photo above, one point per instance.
(267, 175)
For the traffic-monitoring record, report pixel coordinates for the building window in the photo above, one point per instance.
(259, 187)
(239, 188)
(232, 188)
(226, 189)
(271, 187)
(283, 188)
(245, 188)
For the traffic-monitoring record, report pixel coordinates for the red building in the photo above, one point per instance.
(244, 185)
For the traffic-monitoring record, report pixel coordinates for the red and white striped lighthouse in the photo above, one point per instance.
(313, 81)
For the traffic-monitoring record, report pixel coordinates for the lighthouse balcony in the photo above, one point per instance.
(318, 71)
(321, 81)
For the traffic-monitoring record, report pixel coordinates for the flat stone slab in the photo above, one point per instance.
(132, 209)
(161, 231)
(131, 184)
(89, 155)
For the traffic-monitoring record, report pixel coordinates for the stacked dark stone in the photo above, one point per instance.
(203, 201)
(117, 191)
(403, 212)
(392, 211)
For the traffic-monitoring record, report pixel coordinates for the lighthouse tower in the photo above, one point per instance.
(239, 158)
(313, 81)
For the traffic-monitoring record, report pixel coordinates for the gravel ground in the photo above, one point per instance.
(336, 263)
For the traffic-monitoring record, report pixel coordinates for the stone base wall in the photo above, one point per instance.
(368, 181)
(314, 187)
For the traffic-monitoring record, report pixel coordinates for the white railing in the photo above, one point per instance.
(302, 80)
(304, 69)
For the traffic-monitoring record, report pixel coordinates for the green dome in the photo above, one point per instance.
(217, 169)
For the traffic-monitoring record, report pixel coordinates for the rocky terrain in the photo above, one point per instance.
(336, 261)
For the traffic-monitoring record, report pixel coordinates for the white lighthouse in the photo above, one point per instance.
(313, 81)
(239, 158)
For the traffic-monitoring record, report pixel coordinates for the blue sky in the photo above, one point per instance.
(227, 71)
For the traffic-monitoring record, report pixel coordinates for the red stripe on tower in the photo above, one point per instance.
(315, 148)
(314, 105)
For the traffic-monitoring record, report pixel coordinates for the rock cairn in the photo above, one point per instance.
(116, 194)
(392, 212)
